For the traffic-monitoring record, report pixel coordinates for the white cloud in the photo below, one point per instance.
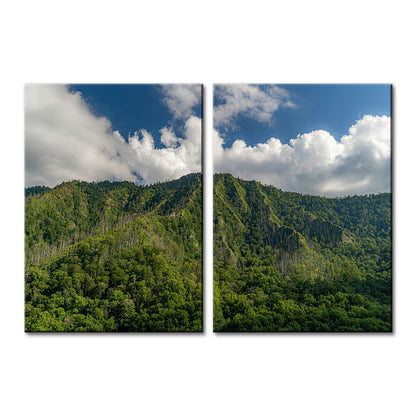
(65, 141)
(168, 137)
(170, 162)
(181, 99)
(315, 163)
(249, 100)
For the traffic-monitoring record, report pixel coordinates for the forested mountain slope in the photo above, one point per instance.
(291, 262)
(113, 256)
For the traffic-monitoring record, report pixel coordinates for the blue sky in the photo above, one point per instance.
(131, 107)
(330, 140)
(92, 132)
(283, 135)
(331, 107)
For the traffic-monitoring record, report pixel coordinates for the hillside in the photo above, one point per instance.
(290, 262)
(113, 256)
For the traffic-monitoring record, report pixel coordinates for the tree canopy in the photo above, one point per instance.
(113, 256)
(290, 262)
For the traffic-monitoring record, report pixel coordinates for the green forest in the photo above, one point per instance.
(114, 257)
(285, 261)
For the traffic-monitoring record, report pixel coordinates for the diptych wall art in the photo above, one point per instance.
(302, 208)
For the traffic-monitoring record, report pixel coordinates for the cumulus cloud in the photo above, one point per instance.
(181, 99)
(64, 141)
(315, 163)
(168, 137)
(252, 101)
(169, 162)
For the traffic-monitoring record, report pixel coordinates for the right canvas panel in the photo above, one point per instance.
(302, 208)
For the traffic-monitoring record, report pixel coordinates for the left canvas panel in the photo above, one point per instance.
(113, 208)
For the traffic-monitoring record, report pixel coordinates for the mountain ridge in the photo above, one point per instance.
(263, 234)
(115, 257)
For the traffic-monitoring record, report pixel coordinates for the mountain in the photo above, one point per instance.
(113, 256)
(290, 262)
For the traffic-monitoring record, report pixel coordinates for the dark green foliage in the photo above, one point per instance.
(36, 190)
(112, 256)
(292, 262)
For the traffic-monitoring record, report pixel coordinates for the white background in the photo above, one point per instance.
(206, 42)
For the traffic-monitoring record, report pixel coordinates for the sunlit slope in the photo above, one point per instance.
(273, 247)
(115, 257)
